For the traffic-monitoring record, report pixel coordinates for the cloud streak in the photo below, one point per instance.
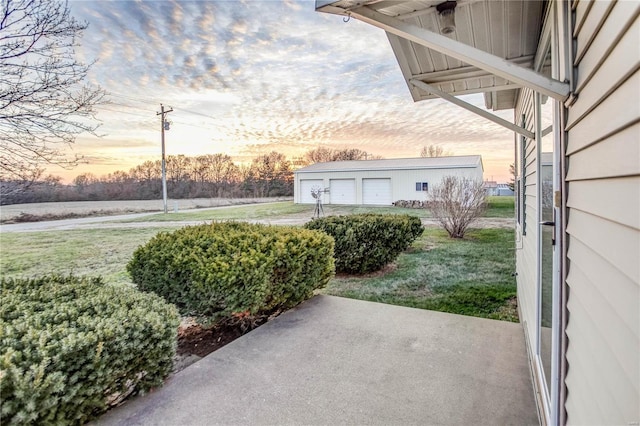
(252, 76)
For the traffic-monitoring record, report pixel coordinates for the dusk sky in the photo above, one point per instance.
(248, 77)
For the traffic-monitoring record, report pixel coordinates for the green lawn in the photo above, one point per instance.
(102, 252)
(246, 212)
(500, 207)
(471, 276)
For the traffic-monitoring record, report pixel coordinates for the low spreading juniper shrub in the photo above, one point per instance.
(367, 242)
(222, 269)
(72, 346)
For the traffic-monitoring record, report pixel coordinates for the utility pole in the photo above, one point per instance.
(164, 125)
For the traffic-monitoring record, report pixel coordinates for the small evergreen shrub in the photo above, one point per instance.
(367, 242)
(226, 268)
(70, 347)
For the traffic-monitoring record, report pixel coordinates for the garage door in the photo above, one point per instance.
(376, 191)
(305, 190)
(342, 191)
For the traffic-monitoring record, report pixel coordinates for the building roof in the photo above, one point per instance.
(507, 29)
(465, 161)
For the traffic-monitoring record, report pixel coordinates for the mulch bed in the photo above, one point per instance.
(194, 339)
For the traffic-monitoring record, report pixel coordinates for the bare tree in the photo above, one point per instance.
(434, 151)
(456, 203)
(351, 154)
(319, 155)
(273, 174)
(322, 155)
(44, 102)
(215, 169)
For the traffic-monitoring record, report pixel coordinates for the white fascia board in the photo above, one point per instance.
(397, 168)
(494, 64)
(322, 3)
(502, 122)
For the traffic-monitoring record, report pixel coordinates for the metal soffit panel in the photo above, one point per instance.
(508, 29)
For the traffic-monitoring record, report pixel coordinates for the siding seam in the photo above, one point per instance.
(602, 218)
(604, 137)
(604, 96)
(612, 46)
(596, 30)
(579, 25)
(611, 308)
(586, 331)
(627, 175)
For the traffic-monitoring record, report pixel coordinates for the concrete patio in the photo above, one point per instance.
(341, 361)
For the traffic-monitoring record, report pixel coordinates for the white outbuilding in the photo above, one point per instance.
(380, 182)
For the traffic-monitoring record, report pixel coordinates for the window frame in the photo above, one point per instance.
(423, 185)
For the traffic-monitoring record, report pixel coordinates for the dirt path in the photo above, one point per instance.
(107, 222)
(78, 209)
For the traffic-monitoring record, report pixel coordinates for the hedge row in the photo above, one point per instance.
(221, 269)
(72, 346)
(367, 242)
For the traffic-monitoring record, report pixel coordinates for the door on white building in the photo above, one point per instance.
(342, 191)
(376, 191)
(305, 190)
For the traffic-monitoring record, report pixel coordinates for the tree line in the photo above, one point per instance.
(203, 176)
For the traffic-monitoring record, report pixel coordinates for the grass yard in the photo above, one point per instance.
(469, 277)
(500, 207)
(93, 252)
(286, 209)
(256, 211)
(497, 207)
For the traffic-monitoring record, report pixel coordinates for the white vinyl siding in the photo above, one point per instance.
(305, 190)
(376, 191)
(342, 191)
(603, 187)
(527, 253)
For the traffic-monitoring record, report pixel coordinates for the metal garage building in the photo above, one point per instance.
(380, 182)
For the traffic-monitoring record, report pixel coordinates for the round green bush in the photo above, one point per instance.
(70, 347)
(225, 268)
(367, 242)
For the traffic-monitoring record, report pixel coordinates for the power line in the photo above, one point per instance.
(137, 99)
(195, 113)
(124, 112)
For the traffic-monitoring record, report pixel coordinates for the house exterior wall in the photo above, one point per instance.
(526, 227)
(603, 203)
(602, 190)
(403, 182)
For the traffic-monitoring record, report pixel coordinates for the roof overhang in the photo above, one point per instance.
(492, 50)
(418, 163)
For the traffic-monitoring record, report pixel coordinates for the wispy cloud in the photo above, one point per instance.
(251, 76)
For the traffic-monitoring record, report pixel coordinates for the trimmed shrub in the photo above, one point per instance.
(367, 242)
(226, 268)
(71, 347)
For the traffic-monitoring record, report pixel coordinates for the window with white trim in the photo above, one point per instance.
(521, 180)
(422, 186)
